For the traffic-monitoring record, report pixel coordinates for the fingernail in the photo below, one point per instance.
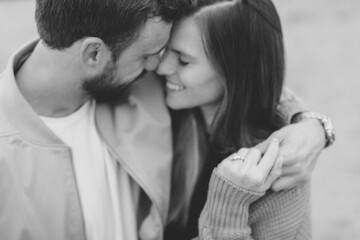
(274, 140)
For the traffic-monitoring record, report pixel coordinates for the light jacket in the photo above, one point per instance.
(39, 199)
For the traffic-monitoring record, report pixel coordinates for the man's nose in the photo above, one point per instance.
(152, 62)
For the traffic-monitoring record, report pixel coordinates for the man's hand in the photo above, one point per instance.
(300, 146)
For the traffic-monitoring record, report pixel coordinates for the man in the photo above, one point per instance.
(65, 175)
(73, 168)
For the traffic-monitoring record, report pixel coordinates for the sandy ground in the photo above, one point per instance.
(323, 66)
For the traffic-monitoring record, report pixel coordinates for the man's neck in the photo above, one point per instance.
(51, 82)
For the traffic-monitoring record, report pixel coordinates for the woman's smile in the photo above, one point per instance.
(171, 86)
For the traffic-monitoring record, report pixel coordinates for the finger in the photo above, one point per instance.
(291, 169)
(235, 160)
(264, 145)
(269, 158)
(243, 152)
(274, 174)
(239, 154)
(286, 182)
(253, 157)
(229, 164)
(229, 158)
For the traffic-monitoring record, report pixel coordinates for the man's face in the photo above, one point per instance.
(134, 61)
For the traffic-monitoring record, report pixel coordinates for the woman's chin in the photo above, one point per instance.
(174, 104)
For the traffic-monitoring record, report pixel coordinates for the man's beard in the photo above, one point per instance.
(105, 87)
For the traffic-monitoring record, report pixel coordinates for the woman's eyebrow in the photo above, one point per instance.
(183, 53)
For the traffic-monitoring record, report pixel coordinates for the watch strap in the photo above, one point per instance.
(324, 120)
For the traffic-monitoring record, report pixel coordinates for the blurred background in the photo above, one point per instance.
(322, 40)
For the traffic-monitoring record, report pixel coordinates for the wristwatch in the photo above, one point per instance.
(324, 120)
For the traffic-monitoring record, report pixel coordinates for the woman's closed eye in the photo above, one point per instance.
(183, 62)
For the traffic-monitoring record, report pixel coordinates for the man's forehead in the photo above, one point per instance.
(154, 33)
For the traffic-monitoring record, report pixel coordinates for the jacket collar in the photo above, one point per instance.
(16, 109)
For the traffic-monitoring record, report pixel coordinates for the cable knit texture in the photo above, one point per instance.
(233, 213)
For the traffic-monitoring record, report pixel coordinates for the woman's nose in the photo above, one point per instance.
(166, 65)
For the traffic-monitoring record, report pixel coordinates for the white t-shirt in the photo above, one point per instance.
(103, 185)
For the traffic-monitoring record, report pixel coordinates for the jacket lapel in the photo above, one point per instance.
(139, 133)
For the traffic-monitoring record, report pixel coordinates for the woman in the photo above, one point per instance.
(224, 70)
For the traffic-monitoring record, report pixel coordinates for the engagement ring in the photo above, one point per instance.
(236, 157)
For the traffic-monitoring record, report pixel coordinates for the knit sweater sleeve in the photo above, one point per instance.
(233, 213)
(282, 215)
(226, 211)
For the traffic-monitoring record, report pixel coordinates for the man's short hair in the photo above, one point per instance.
(60, 23)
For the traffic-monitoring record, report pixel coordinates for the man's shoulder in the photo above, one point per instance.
(2, 75)
(5, 128)
(147, 85)
(147, 92)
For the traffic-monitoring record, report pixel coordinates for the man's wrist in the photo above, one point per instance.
(325, 123)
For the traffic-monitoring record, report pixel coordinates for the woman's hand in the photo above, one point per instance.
(301, 145)
(249, 171)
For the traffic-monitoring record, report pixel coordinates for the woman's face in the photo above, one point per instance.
(191, 81)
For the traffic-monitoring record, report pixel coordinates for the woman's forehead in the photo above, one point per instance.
(186, 37)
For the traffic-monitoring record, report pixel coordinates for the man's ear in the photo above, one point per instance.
(94, 52)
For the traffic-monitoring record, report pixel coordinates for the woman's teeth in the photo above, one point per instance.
(174, 87)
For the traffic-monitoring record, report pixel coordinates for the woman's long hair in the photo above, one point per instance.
(243, 40)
